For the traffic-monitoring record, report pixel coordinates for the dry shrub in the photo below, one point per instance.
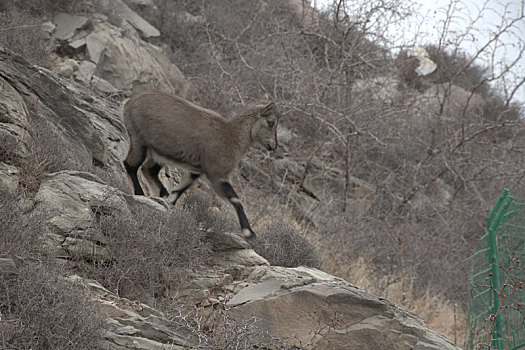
(151, 251)
(40, 310)
(283, 245)
(456, 67)
(214, 329)
(20, 232)
(49, 151)
(197, 204)
(400, 249)
(7, 147)
(20, 31)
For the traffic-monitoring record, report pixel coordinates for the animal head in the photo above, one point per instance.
(264, 130)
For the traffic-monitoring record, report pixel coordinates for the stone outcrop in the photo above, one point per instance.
(120, 9)
(426, 65)
(325, 312)
(89, 123)
(306, 307)
(70, 201)
(111, 59)
(303, 305)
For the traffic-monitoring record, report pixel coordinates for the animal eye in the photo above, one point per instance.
(271, 123)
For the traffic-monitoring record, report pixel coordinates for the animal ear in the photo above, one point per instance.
(266, 109)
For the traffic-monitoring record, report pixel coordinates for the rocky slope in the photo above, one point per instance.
(97, 65)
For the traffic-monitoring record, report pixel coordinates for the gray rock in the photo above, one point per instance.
(67, 26)
(104, 86)
(14, 121)
(94, 126)
(131, 64)
(132, 325)
(264, 289)
(96, 44)
(426, 65)
(85, 72)
(48, 27)
(122, 59)
(13, 109)
(126, 62)
(52, 100)
(227, 241)
(70, 200)
(68, 67)
(347, 317)
(77, 46)
(246, 258)
(9, 178)
(141, 3)
(118, 8)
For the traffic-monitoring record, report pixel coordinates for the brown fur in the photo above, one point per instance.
(168, 130)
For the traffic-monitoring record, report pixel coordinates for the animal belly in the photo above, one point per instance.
(184, 160)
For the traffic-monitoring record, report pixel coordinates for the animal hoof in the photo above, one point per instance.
(248, 234)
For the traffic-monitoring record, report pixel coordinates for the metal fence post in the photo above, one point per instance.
(493, 222)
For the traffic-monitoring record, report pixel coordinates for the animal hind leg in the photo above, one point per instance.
(187, 180)
(151, 171)
(133, 161)
(225, 190)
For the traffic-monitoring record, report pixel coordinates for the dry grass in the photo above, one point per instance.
(440, 314)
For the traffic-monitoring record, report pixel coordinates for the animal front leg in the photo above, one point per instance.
(228, 192)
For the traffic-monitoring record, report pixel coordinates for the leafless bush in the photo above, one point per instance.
(20, 31)
(49, 150)
(415, 253)
(151, 251)
(458, 68)
(38, 7)
(7, 147)
(198, 207)
(282, 245)
(39, 310)
(214, 329)
(20, 232)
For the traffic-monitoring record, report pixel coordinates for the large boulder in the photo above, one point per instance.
(114, 59)
(120, 10)
(319, 311)
(85, 123)
(71, 201)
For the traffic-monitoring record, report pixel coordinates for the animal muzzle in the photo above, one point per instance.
(271, 146)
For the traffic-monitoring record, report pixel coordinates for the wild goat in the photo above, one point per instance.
(168, 130)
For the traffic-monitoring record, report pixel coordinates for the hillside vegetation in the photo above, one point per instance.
(437, 149)
(383, 177)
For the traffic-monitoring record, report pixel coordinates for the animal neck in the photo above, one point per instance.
(241, 124)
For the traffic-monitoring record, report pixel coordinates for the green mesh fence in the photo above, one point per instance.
(497, 305)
